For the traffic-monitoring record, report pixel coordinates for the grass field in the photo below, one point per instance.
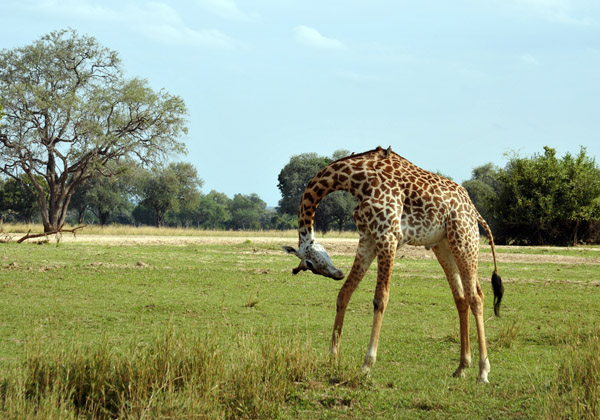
(221, 329)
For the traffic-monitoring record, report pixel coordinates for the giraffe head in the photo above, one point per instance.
(313, 257)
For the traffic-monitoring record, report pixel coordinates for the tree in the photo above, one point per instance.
(160, 194)
(69, 111)
(540, 200)
(104, 196)
(483, 189)
(188, 194)
(170, 189)
(17, 200)
(293, 179)
(282, 221)
(580, 201)
(247, 211)
(142, 215)
(334, 212)
(213, 211)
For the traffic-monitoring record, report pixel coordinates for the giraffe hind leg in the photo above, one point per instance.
(465, 251)
(446, 260)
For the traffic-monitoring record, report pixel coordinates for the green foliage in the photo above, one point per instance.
(294, 177)
(283, 221)
(160, 194)
(17, 200)
(246, 212)
(174, 188)
(171, 197)
(334, 212)
(70, 111)
(143, 215)
(540, 200)
(483, 188)
(213, 211)
(106, 196)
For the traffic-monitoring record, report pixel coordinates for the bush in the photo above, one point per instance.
(541, 200)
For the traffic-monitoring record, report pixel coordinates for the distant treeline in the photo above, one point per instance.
(169, 196)
(535, 200)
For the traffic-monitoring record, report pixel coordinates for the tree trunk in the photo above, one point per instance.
(575, 232)
(80, 214)
(54, 217)
(52, 221)
(103, 217)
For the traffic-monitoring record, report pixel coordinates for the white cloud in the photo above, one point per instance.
(155, 20)
(310, 37)
(227, 9)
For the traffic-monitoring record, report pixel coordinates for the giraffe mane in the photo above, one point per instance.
(379, 149)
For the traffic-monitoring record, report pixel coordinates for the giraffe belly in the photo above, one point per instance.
(421, 235)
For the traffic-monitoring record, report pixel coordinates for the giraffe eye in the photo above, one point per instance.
(310, 265)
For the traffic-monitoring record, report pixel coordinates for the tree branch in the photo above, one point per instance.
(54, 232)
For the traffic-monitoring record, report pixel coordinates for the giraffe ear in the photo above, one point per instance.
(290, 250)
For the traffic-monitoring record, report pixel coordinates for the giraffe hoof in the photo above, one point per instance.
(368, 364)
(484, 369)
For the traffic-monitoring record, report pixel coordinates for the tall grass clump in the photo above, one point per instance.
(103, 382)
(178, 375)
(507, 336)
(576, 390)
(267, 373)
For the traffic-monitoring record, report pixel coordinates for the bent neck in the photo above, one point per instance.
(322, 184)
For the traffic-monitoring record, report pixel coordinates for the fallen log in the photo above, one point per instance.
(46, 234)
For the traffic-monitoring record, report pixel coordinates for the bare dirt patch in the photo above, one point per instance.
(335, 246)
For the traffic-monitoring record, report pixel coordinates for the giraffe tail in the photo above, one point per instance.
(498, 288)
(497, 285)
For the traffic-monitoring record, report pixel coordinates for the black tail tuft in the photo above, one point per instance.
(498, 292)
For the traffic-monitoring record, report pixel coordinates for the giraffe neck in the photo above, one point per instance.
(325, 182)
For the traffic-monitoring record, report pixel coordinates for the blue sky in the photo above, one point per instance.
(449, 85)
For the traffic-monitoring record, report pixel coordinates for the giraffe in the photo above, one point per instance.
(399, 203)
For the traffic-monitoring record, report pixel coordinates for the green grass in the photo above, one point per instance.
(215, 331)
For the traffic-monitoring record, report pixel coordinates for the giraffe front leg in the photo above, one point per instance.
(364, 257)
(385, 263)
(379, 304)
(342, 304)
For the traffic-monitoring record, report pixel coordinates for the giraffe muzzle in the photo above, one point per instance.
(333, 274)
(337, 275)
